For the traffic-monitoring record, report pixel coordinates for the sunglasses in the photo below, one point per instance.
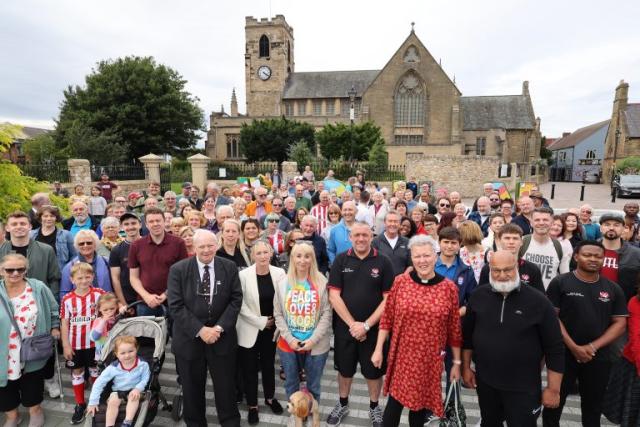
(273, 220)
(442, 205)
(15, 270)
(85, 243)
(275, 205)
(334, 213)
(494, 200)
(588, 212)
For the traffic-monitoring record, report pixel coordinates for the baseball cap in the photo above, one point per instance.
(128, 215)
(186, 184)
(134, 195)
(535, 194)
(609, 216)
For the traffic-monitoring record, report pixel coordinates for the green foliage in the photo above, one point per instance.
(628, 166)
(378, 156)
(41, 149)
(345, 141)
(270, 139)
(84, 142)
(545, 153)
(300, 153)
(131, 104)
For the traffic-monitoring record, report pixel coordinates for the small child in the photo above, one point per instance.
(97, 204)
(107, 307)
(77, 312)
(130, 376)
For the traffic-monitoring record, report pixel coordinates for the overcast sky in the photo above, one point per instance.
(574, 53)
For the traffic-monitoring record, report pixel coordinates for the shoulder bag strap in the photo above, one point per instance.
(13, 321)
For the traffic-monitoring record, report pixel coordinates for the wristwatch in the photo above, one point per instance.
(366, 326)
(219, 328)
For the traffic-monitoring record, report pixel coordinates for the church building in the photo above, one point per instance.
(416, 104)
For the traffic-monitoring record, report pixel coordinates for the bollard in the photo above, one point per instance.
(582, 192)
(614, 193)
(553, 190)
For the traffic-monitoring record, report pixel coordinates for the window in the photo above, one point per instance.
(481, 146)
(264, 46)
(591, 154)
(331, 107)
(233, 146)
(410, 100)
(317, 107)
(302, 108)
(562, 156)
(288, 108)
(408, 140)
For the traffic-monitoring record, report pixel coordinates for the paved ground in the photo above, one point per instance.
(59, 415)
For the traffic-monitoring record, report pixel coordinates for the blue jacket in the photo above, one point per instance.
(475, 217)
(123, 380)
(591, 231)
(465, 280)
(101, 272)
(64, 245)
(338, 240)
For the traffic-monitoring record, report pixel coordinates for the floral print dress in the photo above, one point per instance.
(25, 312)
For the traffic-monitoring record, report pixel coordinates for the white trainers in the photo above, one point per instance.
(52, 387)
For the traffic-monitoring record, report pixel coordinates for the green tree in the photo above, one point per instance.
(133, 103)
(345, 141)
(41, 149)
(545, 153)
(98, 147)
(378, 156)
(270, 139)
(300, 153)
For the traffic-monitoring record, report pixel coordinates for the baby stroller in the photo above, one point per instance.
(151, 333)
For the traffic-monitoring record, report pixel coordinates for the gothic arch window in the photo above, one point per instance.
(409, 101)
(264, 46)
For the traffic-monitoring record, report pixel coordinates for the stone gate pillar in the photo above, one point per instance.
(289, 170)
(79, 171)
(199, 165)
(151, 164)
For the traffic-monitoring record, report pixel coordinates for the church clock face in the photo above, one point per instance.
(264, 72)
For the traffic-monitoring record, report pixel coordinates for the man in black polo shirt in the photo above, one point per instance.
(391, 244)
(508, 330)
(359, 281)
(592, 312)
(509, 238)
(119, 257)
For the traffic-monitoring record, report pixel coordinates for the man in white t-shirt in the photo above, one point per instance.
(363, 214)
(544, 251)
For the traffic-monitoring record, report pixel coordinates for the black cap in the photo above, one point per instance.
(128, 215)
(610, 216)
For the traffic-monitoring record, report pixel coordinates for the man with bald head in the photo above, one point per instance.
(525, 218)
(80, 219)
(339, 238)
(591, 229)
(509, 330)
(482, 214)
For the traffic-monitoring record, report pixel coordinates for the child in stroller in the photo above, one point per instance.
(130, 376)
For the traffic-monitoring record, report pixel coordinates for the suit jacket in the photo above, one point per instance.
(250, 322)
(191, 312)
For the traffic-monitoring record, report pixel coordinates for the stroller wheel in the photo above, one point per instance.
(176, 410)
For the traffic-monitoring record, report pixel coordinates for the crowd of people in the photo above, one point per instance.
(405, 283)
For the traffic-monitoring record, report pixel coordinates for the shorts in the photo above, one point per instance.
(123, 394)
(84, 358)
(26, 390)
(348, 352)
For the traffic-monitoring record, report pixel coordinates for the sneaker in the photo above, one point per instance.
(52, 387)
(375, 415)
(430, 417)
(275, 406)
(253, 416)
(337, 414)
(79, 413)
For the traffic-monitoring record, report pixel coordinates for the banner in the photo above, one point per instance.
(502, 190)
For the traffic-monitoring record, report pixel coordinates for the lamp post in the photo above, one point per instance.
(352, 116)
(613, 166)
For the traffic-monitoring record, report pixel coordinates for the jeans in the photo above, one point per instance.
(143, 309)
(313, 367)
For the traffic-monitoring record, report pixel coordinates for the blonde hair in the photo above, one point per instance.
(105, 299)
(15, 257)
(260, 242)
(184, 229)
(179, 221)
(470, 233)
(307, 249)
(199, 214)
(81, 267)
(126, 339)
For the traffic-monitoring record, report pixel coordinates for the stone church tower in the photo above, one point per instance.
(268, 61)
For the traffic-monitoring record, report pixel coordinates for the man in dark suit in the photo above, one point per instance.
(205, 297)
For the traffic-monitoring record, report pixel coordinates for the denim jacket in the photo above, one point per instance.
(64, 246)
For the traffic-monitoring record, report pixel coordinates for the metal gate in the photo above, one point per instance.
(165, 177)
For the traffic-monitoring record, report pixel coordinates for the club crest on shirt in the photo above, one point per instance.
(604, 296)
(460, 280)
(375, 273)
(524, 278)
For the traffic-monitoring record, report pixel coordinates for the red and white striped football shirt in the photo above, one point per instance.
(80, 310)
(321, 213)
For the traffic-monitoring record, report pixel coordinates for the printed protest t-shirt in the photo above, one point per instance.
(301, 311)
(610, 265)
(545, 257)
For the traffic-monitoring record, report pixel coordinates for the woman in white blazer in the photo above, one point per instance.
(256, 328)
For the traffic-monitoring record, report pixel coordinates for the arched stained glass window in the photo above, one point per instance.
(409, 102)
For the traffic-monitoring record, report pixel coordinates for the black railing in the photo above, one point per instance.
(52, 171)
(222, 170)
(119, 172)
(345, 170)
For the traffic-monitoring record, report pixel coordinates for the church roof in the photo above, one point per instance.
(327, 84)
(578, 136)
(632, 114)
(496, 112)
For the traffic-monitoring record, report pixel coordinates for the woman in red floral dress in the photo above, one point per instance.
(422, 316)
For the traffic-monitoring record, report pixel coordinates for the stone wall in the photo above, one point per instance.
(464, 174)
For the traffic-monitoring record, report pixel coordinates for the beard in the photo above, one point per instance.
(611, 235)
(504, 286)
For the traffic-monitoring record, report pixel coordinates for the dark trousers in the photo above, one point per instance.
(261, 356)
(592, 382)
(518, 409)
(193, 375)
(393, 411)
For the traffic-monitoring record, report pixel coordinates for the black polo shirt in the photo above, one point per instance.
(511, 335)
(362, 284)
(585, 308)
(529, 274)
(119, 257)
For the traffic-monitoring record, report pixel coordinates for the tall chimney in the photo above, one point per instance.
(525, 88)
(565, 134)
(622, 96)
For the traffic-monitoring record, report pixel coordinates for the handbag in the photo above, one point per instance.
(39, 347)
(454, 414)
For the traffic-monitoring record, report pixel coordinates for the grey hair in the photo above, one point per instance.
(200, 233)
(392, 212)
(422, 240)
(224, 207)
(84, 234)
(170, 193)
(109, 220)
(310, 218)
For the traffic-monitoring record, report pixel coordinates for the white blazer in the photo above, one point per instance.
(250, 322)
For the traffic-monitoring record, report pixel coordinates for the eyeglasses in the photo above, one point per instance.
(334, 213)
(85, 243)
(273, 220)
(261, 195)
(587, 212)
(494, 200)
(276, 205)
(444, 205)
(15, 270)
